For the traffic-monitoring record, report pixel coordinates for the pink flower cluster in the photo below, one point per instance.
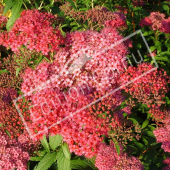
(167, 161)
(162, 134)
(149, 89)
(85, 70)
(12, 155)
(154, 20)
(108, 159)
(33, 29)
(89, 58)
(157, 21)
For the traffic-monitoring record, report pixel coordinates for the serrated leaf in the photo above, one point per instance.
(66, 151)
(45, 143)
(145, 123)
(47, 161)
(15, 14)
(55, 141)
(62, 161)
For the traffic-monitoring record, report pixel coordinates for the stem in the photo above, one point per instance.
(25, 5)
(92, 4)
(40, 5)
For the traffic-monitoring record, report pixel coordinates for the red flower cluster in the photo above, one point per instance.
(166, 26)
(35, 30)
(149, 89)
(82, 72)
(119, 21)
(9, 117)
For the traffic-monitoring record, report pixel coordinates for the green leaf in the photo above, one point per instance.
(66, 151)
(55, 141)
(47, 161)
(91, 162)
(45, 143)
(8, 5)
(18, 70)
(145, 123)
(15, 14)
(152, 48)
(152, 128)
(116, 145)
(166, 8)
(78, 164)
(149, 115)
(51, 2)
(42, 153)
(146, 33)
(7, 132)
(138, 144)
(3, 71)
(145, 141)
(54, 166)
(148, 133)
(62, 161)
(133, 120)
(164, 56)
(36, 158)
